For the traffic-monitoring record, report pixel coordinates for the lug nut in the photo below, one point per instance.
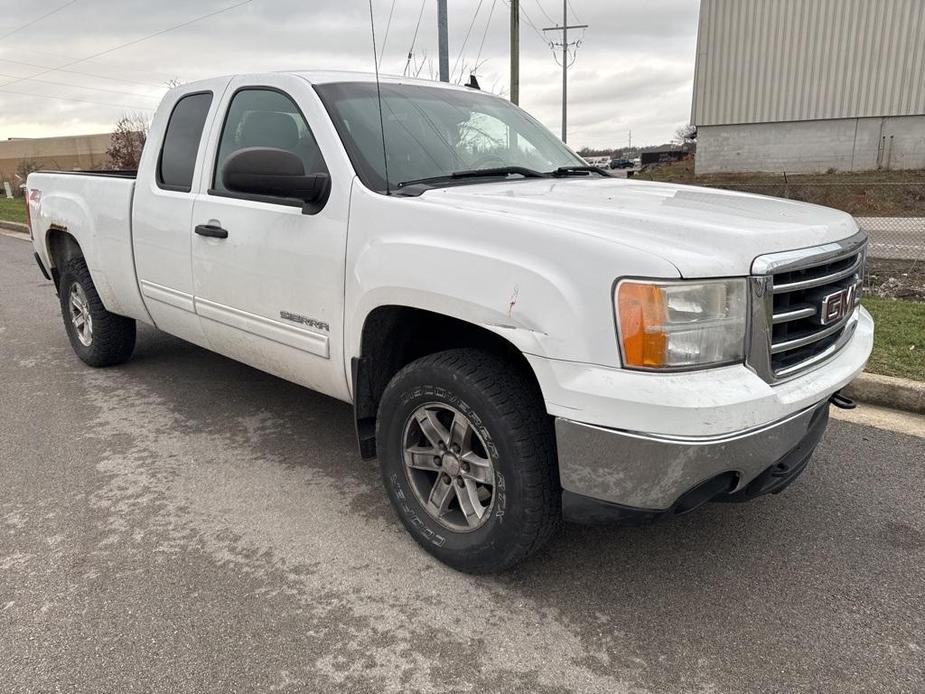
(455, 448)
(438, 460)
(459, 481)
(441, 446)
(446, 479)
(465, 467)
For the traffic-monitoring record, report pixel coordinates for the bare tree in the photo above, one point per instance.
(686, 134)
(23, 169)
(128, 139)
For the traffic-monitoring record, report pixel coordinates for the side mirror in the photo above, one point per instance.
(273, 173)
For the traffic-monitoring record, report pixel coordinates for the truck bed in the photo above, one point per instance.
(105, 173)
(95, 208)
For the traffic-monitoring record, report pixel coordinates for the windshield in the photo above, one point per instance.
(432, 132)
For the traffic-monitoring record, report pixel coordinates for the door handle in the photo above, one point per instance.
(212, 231)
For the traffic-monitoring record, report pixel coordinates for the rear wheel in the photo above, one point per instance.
(99, 338)
(468, 459)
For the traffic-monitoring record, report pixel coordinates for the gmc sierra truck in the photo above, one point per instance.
(524, 339)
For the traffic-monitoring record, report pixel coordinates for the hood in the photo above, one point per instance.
(704, 232)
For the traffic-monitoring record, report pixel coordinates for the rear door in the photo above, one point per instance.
(269, 292)
(162, 207)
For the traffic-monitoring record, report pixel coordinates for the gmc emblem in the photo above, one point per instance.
(835, 306)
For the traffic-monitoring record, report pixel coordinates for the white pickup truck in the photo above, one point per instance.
(524, 339)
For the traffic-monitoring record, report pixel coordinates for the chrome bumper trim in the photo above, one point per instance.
(651, 472)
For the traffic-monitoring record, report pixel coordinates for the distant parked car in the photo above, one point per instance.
(621, 164)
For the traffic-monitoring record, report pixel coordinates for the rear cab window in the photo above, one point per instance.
(177, 161)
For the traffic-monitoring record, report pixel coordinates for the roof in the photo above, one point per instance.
(328, 76)
(331, 76)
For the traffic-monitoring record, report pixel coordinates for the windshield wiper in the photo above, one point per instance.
(477, 173)
(563, 171)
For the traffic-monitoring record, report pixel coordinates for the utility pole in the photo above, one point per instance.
(565, 46)
(443, 41)
(515, 51)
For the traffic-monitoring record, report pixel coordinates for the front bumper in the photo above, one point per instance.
(609, 474)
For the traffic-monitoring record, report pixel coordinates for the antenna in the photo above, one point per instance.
(385, 156)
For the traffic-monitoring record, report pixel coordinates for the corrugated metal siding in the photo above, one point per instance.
(785, 60)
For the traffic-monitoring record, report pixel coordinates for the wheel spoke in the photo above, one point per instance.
(422, 457)
(469, 502)
(440, 496)
(432, 428)
(459, 431)
(479, 469)
(79, 321)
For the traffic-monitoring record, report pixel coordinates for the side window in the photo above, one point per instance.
(181, 142)
(266, 118)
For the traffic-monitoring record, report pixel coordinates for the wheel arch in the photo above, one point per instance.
(61, 246)
(395, 335)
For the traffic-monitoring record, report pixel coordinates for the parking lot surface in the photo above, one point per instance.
(184, 523)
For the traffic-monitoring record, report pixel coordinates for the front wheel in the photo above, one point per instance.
(468, 459)
(99, 338)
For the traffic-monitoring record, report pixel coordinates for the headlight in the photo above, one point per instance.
(676, 325)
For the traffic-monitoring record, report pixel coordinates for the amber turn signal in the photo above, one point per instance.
(641, 310)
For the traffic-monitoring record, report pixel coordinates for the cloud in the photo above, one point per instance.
(634, 68)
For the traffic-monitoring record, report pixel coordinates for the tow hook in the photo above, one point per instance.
(841, 402)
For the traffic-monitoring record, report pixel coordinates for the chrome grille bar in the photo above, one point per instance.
(793, 293)
(789, 345)
(794, 314)
(820, 281)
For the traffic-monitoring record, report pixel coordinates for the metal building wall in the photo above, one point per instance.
(788, 60)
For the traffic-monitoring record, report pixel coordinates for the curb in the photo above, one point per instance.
(14, 226)
(887, 391)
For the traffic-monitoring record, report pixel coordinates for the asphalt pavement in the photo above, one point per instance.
(184, 523)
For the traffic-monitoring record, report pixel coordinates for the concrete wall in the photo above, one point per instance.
(814, 146)
(64, 153)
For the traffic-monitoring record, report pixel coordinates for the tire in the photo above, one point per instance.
(508, 427)
(110, 338)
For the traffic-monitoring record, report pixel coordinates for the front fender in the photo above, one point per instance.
(544, 289)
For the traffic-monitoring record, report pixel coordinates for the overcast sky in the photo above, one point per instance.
(634, 68)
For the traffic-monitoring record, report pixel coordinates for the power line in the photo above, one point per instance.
(48, 56)
(37, 19)
(80, 86)
(385, 39)
(485, 33)
(79, 72)
(414, 38)
(133, 42)
(545, 13)
(529, 21)
(74, 98)
(466, 40)
(574, 14)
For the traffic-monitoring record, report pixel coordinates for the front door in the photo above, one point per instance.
(269, 275)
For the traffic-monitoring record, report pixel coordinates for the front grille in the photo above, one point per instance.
(812, 308)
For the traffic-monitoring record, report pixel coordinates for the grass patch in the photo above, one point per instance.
(12, 210)
(862, 193)
(899, 339)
